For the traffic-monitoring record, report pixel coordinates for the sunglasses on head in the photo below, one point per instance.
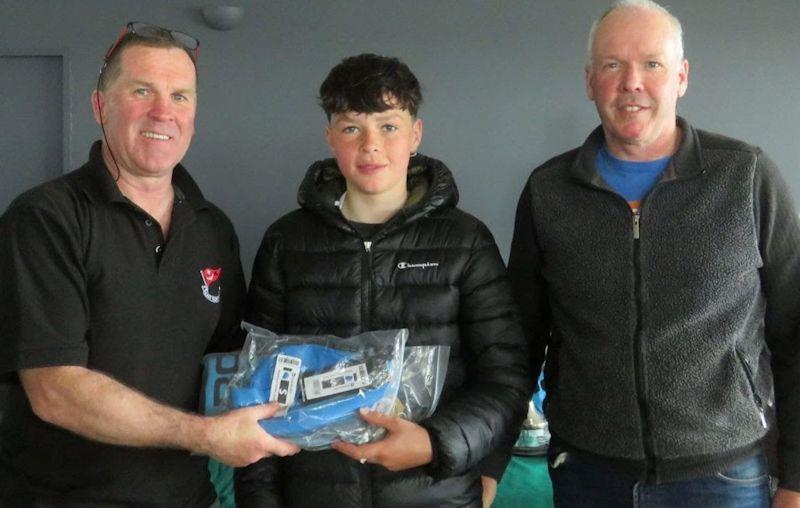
(147, 31)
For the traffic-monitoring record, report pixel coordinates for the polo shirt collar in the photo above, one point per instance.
(100, 186)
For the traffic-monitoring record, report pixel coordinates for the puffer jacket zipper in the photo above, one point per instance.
(366, 470)
(366, 286)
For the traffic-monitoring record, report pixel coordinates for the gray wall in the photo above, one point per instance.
(503, 85)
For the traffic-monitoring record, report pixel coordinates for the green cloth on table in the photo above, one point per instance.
(222, 478)
(525, 484)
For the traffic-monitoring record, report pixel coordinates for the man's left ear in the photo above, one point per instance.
(97, 103)
(683, 76)
(417, 130)
(588, 78)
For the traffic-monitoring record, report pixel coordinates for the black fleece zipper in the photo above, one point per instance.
(639, 363)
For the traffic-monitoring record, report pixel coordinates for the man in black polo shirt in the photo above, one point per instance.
(117, 278)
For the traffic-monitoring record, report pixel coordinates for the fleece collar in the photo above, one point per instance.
(686, 162)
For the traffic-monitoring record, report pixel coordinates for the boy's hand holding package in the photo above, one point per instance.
(405, 445)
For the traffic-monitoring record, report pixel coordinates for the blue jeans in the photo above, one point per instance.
(583, 485)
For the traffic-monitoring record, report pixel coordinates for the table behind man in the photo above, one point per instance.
(660, 264)
(117, 279)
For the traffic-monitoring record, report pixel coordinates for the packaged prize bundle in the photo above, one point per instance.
(322, 382)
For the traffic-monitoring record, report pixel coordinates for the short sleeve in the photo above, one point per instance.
(43, 297)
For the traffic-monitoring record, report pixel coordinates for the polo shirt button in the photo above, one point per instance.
(158, 249)
(148, 222)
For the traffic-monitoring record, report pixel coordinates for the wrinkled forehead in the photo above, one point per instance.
(159, 61)
(646, 31)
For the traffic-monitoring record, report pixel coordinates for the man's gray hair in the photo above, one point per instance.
(677, 30)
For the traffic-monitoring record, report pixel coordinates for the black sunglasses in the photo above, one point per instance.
(147, 31)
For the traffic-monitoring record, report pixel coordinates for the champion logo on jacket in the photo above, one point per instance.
(402, 265)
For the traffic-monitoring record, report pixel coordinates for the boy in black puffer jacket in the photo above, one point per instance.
(378, 243)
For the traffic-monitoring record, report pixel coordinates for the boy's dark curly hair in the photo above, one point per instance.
(365, 82)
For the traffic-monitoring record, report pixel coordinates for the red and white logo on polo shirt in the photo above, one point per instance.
(210, 276)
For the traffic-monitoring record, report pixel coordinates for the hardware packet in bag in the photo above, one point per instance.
(321, 381)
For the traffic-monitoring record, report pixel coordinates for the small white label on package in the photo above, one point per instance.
(284, 380)
(335, 381)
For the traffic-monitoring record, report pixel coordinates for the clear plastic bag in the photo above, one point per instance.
(424, 371)
(321, 381)
(423, 374)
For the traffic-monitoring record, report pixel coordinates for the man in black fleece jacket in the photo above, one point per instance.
(658, 264)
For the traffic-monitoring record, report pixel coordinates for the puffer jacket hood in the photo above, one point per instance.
(430, 186)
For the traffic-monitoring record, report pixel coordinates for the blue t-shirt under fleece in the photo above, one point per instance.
(630, 179)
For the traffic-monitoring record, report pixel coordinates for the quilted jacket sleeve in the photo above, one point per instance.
(265, 303)
(486, 413)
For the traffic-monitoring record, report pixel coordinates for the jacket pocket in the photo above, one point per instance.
(748, 372)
